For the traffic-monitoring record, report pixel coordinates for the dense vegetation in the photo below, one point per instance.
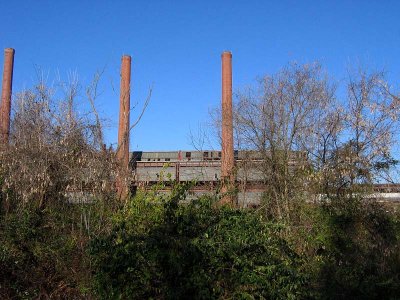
(316, 234)
(155, 247)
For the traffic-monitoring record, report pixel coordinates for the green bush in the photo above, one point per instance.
(41, 256)
(159, 248)
(361, 257)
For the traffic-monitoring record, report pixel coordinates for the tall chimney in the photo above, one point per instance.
(227, 157)
(5, 107)
(123, 129)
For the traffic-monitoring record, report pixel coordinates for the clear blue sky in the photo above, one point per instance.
(176, 46)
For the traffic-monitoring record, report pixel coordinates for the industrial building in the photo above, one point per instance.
(203, 168)
(212, 171)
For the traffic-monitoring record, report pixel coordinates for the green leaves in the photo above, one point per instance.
(194, 250)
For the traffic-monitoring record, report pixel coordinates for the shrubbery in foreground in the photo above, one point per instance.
(159, 249)
(158, 246)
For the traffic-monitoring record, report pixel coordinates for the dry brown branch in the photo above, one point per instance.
(54, 152)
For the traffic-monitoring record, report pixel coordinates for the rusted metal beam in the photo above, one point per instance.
(5, 107)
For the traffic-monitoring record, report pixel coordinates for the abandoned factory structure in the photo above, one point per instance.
(209, 169)
(226, 170)
(236, 175)
(204, 169)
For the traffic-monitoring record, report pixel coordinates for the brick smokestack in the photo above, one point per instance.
(227, 157)
(123, 129)
(5, 108)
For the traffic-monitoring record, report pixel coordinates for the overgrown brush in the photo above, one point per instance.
(159, 248)
(54, 151)
(63, 233)
(57, 190)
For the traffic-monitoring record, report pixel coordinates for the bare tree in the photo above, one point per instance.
(278, 118)
(309, 141)
(56, 152)
(362, 153)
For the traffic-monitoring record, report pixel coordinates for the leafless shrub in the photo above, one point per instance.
(356, 143)
(312, 142)
(278, 119)
(55, 152)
